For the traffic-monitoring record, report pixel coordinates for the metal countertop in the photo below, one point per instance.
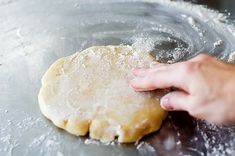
(33, 34)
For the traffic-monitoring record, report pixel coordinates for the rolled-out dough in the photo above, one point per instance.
(89, 92)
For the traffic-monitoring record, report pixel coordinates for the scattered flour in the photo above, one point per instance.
(232, 57)
(145, 148)
(215, 140)
(215, 143)
(192, 21)
(218, 43)
(89, 141)
(141, 44)
(92, 141)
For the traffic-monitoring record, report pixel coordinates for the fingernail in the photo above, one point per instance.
(165, 103)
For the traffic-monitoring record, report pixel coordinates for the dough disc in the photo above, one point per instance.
(88, 92)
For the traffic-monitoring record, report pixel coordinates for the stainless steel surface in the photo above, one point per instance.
(225, 6)
(34, 34)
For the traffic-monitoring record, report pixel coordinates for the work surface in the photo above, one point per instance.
(34, 34)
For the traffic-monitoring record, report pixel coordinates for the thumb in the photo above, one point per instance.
(175, 101)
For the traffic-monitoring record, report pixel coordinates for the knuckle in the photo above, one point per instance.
(190, 67)
(203, 57)
(147, 73)
(149, 79)
(187, 67)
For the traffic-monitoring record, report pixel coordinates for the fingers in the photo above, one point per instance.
(201, 57)
(161, 76)
(155, 64)
(141, 72)
(175, 101)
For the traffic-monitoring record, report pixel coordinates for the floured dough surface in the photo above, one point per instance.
(88, 92)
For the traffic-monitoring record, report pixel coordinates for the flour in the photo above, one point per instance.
(218, 43)
(91, 141)
(232, 57)
(142, 44)
(30, 134)
(194, 25)
(16, 130)
(200, 18)
(200, 30)
(216, 143)
(145, 148)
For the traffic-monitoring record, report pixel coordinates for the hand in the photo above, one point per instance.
(206, 87)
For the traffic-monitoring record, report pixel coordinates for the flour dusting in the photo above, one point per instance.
(216, 143)
(171, 30)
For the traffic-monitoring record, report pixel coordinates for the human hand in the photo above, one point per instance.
(206, 87)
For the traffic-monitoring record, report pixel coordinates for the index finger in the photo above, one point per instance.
(160, 77)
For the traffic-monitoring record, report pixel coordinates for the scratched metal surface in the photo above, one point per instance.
(33, 34)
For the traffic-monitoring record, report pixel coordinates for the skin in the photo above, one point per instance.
(205, 87)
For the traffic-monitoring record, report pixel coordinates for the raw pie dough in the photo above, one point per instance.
(88, 92)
